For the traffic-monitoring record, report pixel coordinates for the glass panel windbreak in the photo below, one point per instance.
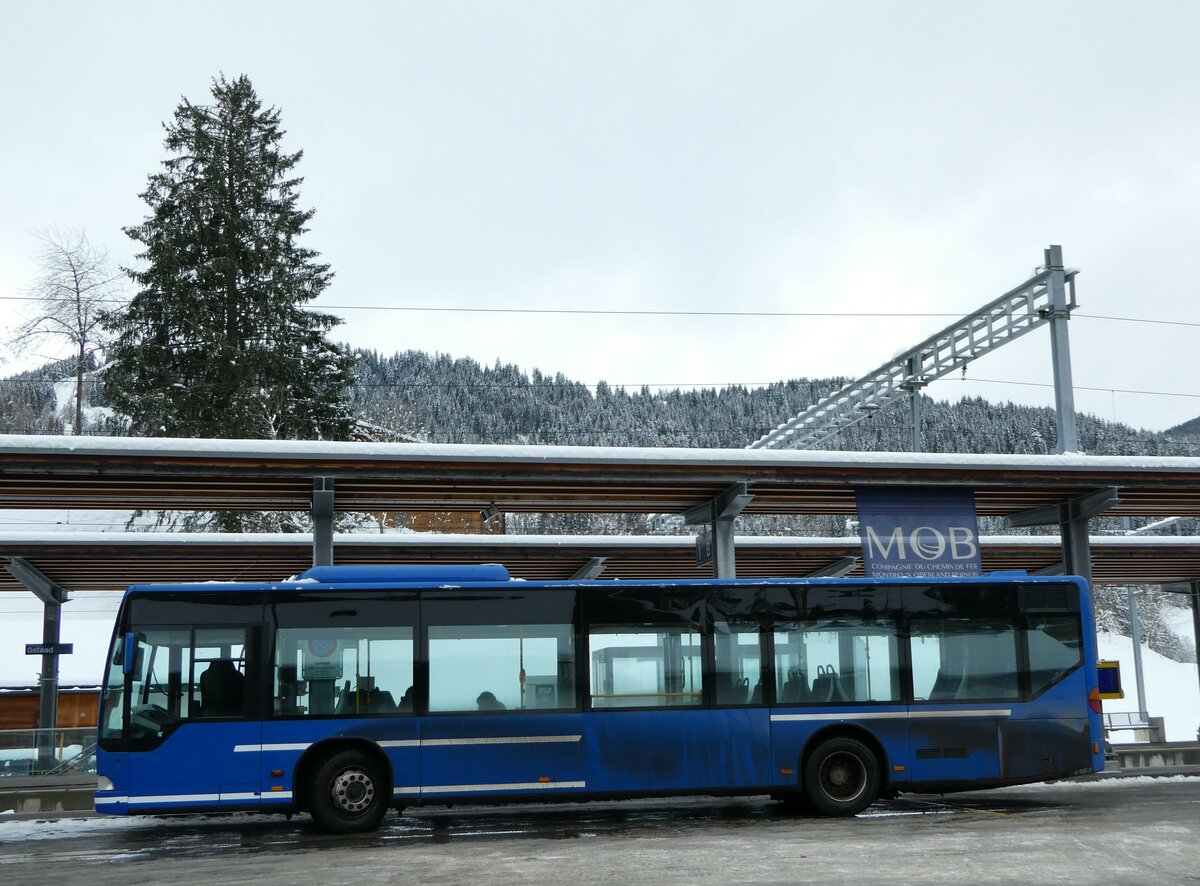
(963, 659)
(501, 667)
(645, 666)
(347, 671)
(837, 661)
(1055, 649)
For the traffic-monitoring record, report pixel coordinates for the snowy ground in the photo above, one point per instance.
(1134, 830)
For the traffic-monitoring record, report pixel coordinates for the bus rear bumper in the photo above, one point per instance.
(112, 803)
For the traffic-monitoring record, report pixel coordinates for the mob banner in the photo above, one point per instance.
(918, 532)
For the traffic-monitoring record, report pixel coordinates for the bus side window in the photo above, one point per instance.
(964, 659)
(218, 661)
(738, 662)
(645, 665)
(349, 671)
(847, 659)
(501, 667)
(1055, 649)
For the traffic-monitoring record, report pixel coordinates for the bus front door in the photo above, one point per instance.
(191, 739)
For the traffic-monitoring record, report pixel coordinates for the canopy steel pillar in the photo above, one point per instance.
(322, 517)
(719, 515)
(1195, 594)
(1135, 637)
(1072, 518)
(52, 596)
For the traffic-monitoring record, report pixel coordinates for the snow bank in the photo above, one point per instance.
(1172, 688)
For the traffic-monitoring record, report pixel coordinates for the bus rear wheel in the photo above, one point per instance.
(841, 777)
(348, 794)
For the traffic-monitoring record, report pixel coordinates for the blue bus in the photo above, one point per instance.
(350, 690)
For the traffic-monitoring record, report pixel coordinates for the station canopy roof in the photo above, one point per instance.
(127, 473)
(105, 561)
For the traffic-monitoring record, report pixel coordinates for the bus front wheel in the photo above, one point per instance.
(348, 794)
(841, 777)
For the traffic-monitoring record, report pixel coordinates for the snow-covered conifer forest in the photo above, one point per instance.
(438, 398)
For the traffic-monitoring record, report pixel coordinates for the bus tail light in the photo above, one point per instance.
(1094, 700)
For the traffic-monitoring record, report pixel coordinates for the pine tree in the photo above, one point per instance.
(217, 342)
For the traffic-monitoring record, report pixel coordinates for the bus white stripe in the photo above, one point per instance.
(995, 712)
(512, 739)
(425, 742)
(514, 786)
(867, 715)
(175, 798)
(891, 715)
(193, 798)
(287, 795)
(294, 746)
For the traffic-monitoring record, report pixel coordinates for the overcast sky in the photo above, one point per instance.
(793, 157)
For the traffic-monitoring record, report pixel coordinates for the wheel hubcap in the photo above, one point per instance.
(843, 777)
(352, 791)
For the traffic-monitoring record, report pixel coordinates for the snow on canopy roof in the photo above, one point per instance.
(25, 444)
(250, 539)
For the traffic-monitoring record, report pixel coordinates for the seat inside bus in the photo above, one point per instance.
(221, 689)
(828, 686)
(795, 689)
(365, 698)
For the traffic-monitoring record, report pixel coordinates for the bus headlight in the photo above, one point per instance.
(104, 783)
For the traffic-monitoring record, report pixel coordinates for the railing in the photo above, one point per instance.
(1149, 729)
(47, 752)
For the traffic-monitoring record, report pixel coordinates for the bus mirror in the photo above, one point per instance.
(131, 650)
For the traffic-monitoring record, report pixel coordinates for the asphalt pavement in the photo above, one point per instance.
(1135, 831)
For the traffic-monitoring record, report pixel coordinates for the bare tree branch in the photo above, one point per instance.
(75, 284)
